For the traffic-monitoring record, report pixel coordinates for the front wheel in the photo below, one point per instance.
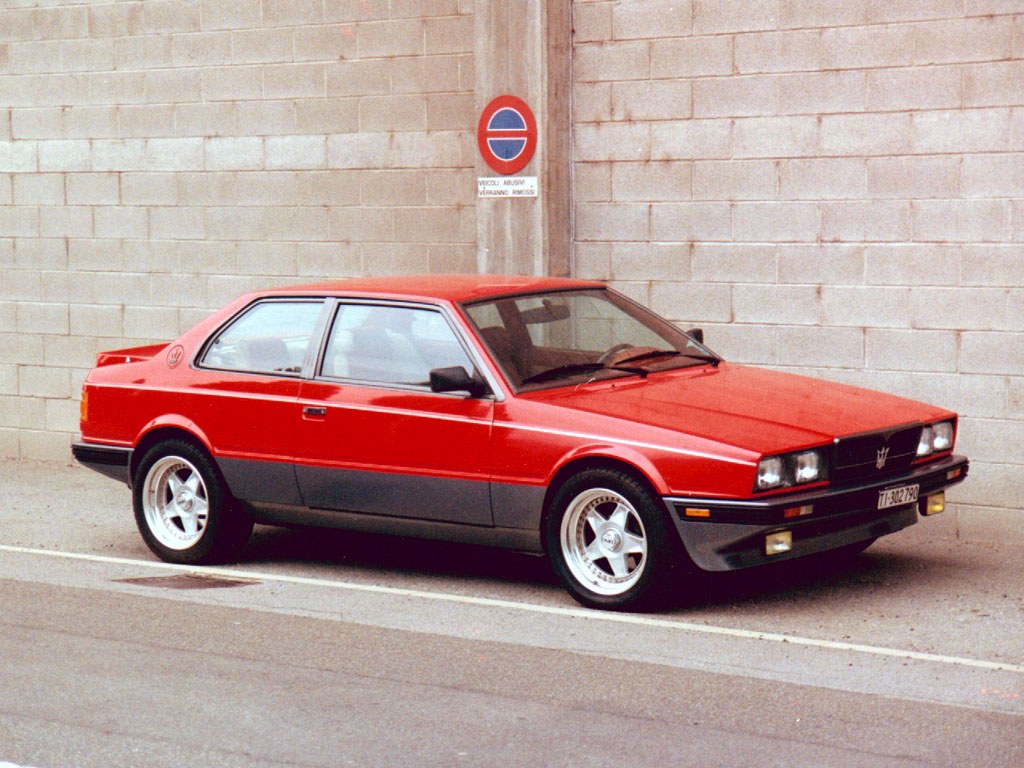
(609, 541)
(182, 508)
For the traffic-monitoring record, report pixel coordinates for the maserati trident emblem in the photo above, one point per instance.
(883, 456)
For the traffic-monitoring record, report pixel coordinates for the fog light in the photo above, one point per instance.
(934, 504)
(777, 543)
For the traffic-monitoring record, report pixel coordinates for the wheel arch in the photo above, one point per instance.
(158, 433)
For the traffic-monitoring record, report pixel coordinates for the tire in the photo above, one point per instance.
(610, 543)
(182, 506)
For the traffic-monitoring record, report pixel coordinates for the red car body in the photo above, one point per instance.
(299, 446)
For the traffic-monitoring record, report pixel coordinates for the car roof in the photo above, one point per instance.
(454, 288)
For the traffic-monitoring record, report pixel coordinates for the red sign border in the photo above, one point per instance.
(519, 162)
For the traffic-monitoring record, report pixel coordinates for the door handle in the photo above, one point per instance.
(314, 410)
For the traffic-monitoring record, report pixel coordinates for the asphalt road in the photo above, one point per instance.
(332, 649)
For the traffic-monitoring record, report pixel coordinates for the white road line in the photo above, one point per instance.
(489, 602)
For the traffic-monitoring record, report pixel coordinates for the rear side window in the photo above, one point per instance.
(269, 337)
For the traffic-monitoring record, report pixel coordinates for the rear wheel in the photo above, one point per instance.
(182, 507)
(609, 541)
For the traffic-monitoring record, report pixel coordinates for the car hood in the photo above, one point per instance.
(750, 408)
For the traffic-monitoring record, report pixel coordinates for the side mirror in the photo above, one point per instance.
(697, 334)
(455, 379)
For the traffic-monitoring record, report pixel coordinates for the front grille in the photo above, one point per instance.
(875, 454)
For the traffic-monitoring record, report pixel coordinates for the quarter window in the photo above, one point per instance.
(391, 345)
(270, 337)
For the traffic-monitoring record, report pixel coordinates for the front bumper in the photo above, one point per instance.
(730, 534)
(110, 460)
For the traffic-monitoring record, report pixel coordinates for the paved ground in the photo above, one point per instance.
(332, 649)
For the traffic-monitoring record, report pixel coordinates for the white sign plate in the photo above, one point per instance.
(506, 186)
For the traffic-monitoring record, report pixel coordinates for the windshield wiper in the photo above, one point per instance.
(575, 368)
(673, 353)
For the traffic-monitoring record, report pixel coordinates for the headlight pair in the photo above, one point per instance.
(936, 438)
(785, 470)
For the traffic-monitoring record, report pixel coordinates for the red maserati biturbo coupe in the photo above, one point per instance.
(544, 415)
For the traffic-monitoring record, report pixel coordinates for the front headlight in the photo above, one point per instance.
(789, 469)
(936, 438)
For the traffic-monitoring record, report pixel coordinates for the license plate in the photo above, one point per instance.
(897, 497)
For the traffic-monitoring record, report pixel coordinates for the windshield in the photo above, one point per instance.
(553, 339)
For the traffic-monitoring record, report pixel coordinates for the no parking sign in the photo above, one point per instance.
(507, 134)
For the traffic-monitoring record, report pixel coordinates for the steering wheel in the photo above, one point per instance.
(608, 354)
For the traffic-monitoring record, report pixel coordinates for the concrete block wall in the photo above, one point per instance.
(832, 188)
(158, 158)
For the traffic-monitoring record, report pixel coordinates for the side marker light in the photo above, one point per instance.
(777, 543)
(690, 512)
(806, 509)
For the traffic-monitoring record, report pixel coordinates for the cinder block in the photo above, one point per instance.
(34, 57)
(592, 182)
(61, 23)
(115, 88)
(691, 302)
(775, 304)
(143, 52)
(392, 113)
(913, 88)
(177, 223)
(591, 22)
(820, 346)
(451, 34)
(428, 225)
(358, 78)
(651, 100)
(771, 137)
(448, 259)
(650, 261)
(866, 221)
(203, 49)
(1015, 397)
(390, 259)
(994, 84)
(962, 130)
(450, 112)
(21, 285)
(916, 350)
(327, 116)
(961, 220)
(992, 353)
(913, 177)
(912, 264)
(776, 222)
(267, 118)
(450, 186)
(230, 14)
(294, 81)
(288, 13)
(382, 39)
(820, 13)
(821, 92)
(691, 57)
(735, 180)
(173, 86)
(864, 47)
(973, 309)
(114, 19)
(687, 222)
(993, 175)
(958, 40)
(593, 261)
(329, 260)
(146, 121)
(271, 259)
(613, 222)
(64, 155)
(657, 18)
(62, 416)
(179, 154)
(296, 152)
(731, 263)
(20, 221)
(66, 221)
(990, 440)
(398, 188)
(654, 181)
(824, 178)
(93, 189)
(614, 141)
(744, 344)
(869, 307)
(718, 16)
(320, 43)
(35, 189)
(89, 55)
(799, 51)
(30, 123)
(738, 96)
(625, 60)
(119, 155)
(428, 74)
(821, 264)
(93, 320)
(149, 189)
(156, 323)
(239, 153)
(8, 380)
(866, 134)
(439, 149)
(37, 317)
(40, 253)
(165, 16)
(880, 11)
(112, 221)
(232, 83)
